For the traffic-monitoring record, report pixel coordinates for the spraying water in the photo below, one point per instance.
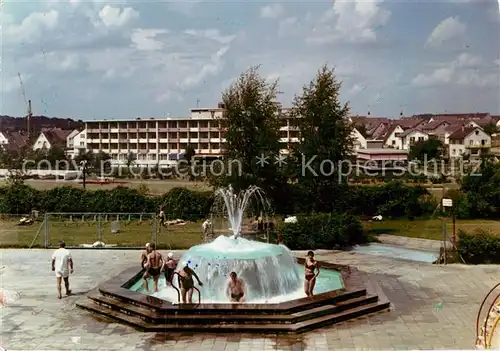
(269, 270)
(235, 204)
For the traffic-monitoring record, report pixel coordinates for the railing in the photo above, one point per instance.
(178, 290)
(485, 325)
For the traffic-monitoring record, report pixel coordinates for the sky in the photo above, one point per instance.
(92, 59)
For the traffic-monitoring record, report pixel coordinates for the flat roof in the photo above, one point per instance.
(382, 151)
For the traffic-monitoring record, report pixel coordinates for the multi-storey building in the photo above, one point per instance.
(163, 140)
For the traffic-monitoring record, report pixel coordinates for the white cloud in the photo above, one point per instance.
(31, 28)
(208, 69)
(286, 25)
(271, 11)
(357, 21)
(497, 61)
(144, 39)
(115, 17)
(464, 70)
(449, 29)
(212, 34)
(355, 90)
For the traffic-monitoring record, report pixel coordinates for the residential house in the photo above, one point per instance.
(359, 140)
(13, 141)
(49, 138)
(75, 142)
(472, 141)
(436, 129)
(392, 138)
(411, 136)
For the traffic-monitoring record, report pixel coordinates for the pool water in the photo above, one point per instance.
(397, 252)
(328, 280)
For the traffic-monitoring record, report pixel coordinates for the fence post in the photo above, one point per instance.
(99, 228)
(154, 232)
(46, 229)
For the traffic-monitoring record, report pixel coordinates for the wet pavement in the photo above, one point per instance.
(434, 307)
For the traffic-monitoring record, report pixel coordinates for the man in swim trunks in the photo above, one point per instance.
(186, 283)
(62, 265)
(153, 267)
(144, 255)
(236, 288)
(169, 268)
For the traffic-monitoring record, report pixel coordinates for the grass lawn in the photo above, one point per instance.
(155, 186)
(429, 229)
(132, 234)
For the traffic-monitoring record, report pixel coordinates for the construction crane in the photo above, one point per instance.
(27, 103)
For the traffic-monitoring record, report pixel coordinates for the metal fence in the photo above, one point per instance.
(113, 230)
(97, 230)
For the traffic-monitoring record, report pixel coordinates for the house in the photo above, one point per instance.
(412, 136)
(75, 142)
(392, 138)
(13, 141)
(359, 140)
(469, 141)
(49, 138)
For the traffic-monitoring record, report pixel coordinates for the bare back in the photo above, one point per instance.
(155, 259)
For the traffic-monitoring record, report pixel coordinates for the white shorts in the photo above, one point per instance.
(62, 274)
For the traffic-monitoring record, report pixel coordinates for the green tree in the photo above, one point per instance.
(326, 140)
(129, 162)
(251, 128)
(55, 154)
(426, 150)
(101, 163)
(491, 128)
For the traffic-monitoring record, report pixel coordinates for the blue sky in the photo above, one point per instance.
(126, 59)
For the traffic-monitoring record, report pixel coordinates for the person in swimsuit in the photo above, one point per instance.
(153, 267)
(236, 288)
(144, 255)
(186, 283)
(169, 268)
(311, 265)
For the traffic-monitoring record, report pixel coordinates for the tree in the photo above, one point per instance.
(189, 153)
(251, 125)
(326, 139)
(491, 128)
(55, 154)
(129, 161)
(426, 150)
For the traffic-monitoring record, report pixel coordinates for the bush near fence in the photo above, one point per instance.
(393, 199)
(323, 231)
(480, 247)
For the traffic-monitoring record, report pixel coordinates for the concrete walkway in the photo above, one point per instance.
(37, 320)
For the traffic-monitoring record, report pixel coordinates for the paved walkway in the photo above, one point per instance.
(39, 321)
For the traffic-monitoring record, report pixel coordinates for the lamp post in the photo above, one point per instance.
(83, 165)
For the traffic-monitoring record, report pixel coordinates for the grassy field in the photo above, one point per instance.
(132, 234)
(429, 229)
(154, 186)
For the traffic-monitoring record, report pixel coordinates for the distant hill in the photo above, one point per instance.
(14, 124)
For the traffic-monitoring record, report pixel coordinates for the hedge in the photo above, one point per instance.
(481, 247)
(390, 200)
(323, 231)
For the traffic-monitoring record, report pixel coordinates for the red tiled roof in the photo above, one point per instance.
(462, 133)
(433, 125)
(454, 127)
(460, 116)
(391, 129)
(15, 140)
(56, 136)
(408, 123)
(409, 131)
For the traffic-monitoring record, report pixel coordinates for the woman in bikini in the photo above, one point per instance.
(310, 265)
(186, 283)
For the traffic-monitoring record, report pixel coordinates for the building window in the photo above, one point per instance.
(394, 142)
(471, 142)
(483, 142)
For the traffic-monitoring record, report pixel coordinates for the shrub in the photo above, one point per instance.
(482, 247)
(186, 204)
(322, 231)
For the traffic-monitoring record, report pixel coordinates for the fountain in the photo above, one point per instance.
(269, 270)
(275, 300)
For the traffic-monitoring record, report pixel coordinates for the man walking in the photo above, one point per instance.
(62, 265)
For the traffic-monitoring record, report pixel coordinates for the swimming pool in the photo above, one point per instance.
(328, 280)
(397, 252)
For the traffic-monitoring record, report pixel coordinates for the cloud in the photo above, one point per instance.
(466, 70)
(114, 17)
(287, 25)
(357, 21)
(211, 34)
(271, 11)
(449, 29)
(31, 28)
(144, 39)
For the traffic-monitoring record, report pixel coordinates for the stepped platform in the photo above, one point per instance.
(358, 298)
